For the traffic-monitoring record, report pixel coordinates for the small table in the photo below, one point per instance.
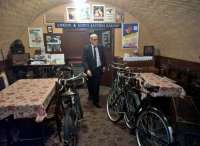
(27, 98)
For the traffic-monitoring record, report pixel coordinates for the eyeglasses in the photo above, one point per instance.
(95, 39)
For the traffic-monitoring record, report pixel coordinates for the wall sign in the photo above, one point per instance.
(130, 35)
(35, 37)
(87, 25)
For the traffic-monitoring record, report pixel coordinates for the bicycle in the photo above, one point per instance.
(131, 98)
(120, 97)
(70, 103)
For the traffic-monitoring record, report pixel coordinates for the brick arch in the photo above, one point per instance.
(174, 25)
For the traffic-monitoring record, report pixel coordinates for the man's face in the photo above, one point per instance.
(94, 40)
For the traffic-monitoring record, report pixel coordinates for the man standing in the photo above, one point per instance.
(94, 65)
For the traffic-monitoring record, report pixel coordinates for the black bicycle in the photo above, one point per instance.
(130, 97)
(71, 106)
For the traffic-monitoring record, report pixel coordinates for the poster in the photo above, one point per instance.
(130, 35)
(35, 37)
(110, 15)
(98, 12)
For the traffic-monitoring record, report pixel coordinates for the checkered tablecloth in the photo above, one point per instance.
(27, 98)
(167, 86)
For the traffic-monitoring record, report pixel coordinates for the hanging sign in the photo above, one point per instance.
(87, 25)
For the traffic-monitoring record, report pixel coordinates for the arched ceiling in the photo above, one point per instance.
(173, 24)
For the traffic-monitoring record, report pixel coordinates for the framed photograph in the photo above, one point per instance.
(106, 41)
(49, 29)
(71, 14)
(53, 43)
(35, 37)
(98, 12)
(84, 13)
(78, 14)
(110, 15)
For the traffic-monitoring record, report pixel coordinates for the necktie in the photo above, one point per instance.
(95, 57)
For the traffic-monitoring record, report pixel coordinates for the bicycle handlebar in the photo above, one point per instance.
(72, 81)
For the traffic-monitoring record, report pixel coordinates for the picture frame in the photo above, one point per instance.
(53, 43)
(109, 14)
(49, 29)
(71, 14)
(106, 39)
(98, 12)
(35, 37)
(78, 14)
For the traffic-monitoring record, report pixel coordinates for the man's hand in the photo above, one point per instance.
(89, 73)
(104, 69)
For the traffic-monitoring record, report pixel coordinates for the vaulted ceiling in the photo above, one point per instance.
(173, 24)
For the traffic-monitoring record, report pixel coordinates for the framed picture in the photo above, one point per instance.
(71, 14)
(98, 12)
(53, 43)
(110, 15)
(78, 14)
(35, 37)
(106, 41)
(84, 13)
(49, 29)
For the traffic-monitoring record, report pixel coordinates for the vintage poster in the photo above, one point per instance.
(110, 15)
(35, 37)
(98, 12)
(130, 35)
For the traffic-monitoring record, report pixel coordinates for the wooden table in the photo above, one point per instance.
(27, 98)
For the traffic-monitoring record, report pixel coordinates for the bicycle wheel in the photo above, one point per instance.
(113, 103)
(153, 129)
(70, 129)
(132, 103)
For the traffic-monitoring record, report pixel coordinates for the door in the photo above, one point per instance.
(73, 44)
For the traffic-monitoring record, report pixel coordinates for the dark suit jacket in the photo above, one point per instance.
(88, 59)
